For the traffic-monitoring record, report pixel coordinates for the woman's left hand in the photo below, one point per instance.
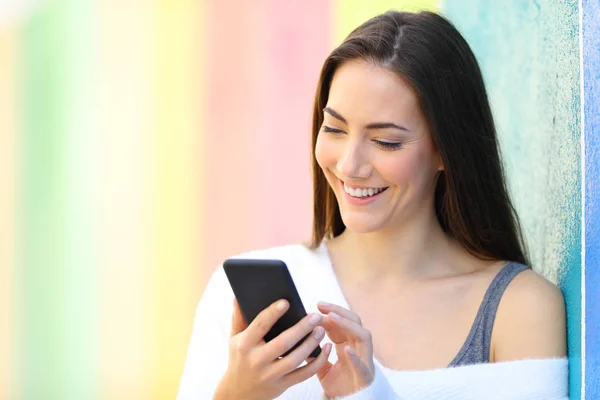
(354, 369)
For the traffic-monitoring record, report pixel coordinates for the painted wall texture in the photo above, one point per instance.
(141, 143)
(529, 53)
(591, 89)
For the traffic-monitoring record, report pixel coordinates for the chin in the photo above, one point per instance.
(362, 223)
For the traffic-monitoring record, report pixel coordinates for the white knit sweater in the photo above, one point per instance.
(315, 280)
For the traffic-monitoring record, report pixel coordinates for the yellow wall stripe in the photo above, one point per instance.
(349, 14)
(177, 199)
(9, 150)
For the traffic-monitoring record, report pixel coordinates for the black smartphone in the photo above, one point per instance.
(257, 284)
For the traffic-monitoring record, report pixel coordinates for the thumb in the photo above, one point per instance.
(362, 375)
(238, 323)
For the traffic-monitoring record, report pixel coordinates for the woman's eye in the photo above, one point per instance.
(388, 145)
(329, 129)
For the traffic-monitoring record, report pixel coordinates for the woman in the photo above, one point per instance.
(416, 246)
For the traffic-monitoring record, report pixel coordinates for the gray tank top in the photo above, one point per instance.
(476, 349)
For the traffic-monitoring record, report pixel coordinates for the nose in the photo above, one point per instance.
(354, 163)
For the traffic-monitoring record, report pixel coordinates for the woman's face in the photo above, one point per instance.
(375, 148)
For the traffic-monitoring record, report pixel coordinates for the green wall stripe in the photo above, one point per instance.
(82, 132)
(56, 277)
(43, 201)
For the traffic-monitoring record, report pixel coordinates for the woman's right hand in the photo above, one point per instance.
(255, 371)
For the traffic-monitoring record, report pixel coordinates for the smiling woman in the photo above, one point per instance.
(414, 234)
(391, 167)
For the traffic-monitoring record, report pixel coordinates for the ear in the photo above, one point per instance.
(440, 163)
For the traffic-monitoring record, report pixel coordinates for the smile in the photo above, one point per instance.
(360, 192)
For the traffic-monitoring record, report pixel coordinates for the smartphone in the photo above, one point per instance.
(257, 284)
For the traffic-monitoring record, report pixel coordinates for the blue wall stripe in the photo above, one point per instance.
(591, 89)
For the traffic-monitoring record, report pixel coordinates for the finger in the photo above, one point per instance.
(322, 373)
(326, 308)
(333, 331)
(238, 323)
(265, 320)
(290, 362)
(303, 373)
(341, 329)
(362, 374)
(288, 339)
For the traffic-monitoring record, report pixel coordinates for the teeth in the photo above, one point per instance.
(362, 192)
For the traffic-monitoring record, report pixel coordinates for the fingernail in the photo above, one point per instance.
(327, 348)
(281, 305)
(319, 332)
(314, 318)
(351, 351)
(335, 316)
(323, 304)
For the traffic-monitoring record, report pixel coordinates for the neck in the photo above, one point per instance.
(418, 250)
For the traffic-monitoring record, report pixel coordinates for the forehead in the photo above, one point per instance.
(364, 92)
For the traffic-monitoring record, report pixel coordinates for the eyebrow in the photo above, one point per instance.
(373, 125)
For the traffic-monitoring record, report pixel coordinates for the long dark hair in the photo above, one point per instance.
(471, 199)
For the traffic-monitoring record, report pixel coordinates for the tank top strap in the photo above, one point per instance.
(476, 349)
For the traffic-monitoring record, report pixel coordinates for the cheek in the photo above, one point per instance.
(398, 169)
(325, 152)
(405, 168)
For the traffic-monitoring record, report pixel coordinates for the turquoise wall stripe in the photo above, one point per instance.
(529, 53)
(570, 284)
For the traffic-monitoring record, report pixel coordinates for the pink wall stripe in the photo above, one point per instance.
(263, 64)
(297, 40)
(236, 66)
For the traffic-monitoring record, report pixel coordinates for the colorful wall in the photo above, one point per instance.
(529, 51)
(141, 143)
(590, 64)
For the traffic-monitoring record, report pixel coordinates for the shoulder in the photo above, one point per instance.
(302, 262)
(218, 292)
(290, 252)
(297, 257)
(531, 320)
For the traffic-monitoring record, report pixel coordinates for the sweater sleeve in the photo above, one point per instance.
(534, 379)
(379, 389)
(208, 351)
